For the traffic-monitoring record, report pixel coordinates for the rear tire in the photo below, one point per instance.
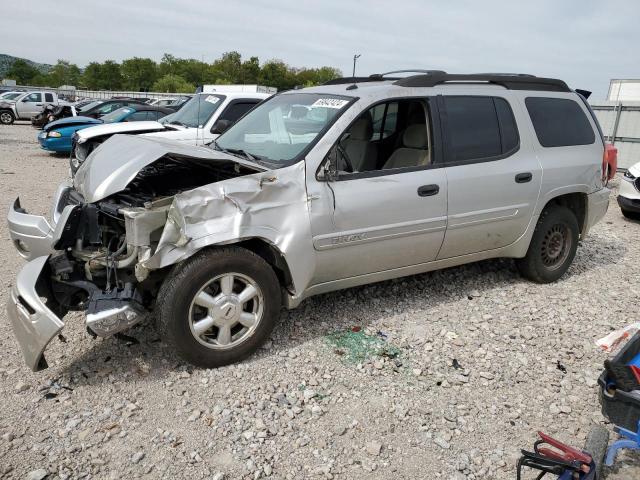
(7, 117)
(596, 445)
(218, 306)
(553, 246)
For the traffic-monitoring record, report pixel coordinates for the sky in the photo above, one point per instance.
(585, 42)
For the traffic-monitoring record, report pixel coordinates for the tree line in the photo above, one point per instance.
(171, 74)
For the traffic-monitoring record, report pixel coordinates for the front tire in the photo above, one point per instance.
(553, 246)
(219, 306)
(7, 117)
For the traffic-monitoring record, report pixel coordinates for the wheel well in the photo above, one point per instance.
(273, 257)
(576, 202)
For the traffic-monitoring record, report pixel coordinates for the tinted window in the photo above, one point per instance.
(559, 122)
(508, 128)
(236, 110)
(48, 97)
(473, 128)
(138, 116)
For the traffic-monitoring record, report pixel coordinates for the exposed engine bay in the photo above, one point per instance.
(95, 266)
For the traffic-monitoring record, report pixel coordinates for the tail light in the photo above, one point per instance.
(609, 162)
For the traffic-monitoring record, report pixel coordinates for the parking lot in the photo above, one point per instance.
(442, 375)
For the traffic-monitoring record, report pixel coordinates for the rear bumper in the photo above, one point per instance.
(597, 205)
(34, 324)
(629, 204)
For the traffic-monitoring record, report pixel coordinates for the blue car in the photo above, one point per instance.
(56, 136)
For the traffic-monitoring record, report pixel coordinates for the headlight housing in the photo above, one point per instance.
(54, 134)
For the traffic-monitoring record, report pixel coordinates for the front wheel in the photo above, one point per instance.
(219, 306)
(553, 246)
(7, 117)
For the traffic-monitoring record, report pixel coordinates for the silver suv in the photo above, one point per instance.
(356, 181)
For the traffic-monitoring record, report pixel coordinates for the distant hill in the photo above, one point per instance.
(7, 60)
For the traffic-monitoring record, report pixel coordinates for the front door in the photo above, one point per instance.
(493, 180)
(30, 105)
(389, 206)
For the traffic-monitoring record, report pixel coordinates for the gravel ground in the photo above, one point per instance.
(474, 361)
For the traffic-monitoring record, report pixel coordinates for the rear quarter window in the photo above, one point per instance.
(559, 122)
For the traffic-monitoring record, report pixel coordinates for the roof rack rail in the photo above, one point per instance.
(507, 80)
(345, 80)
(380, 76)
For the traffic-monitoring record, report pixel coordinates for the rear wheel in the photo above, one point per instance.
(6, 117)
(219, 306)
(552, 247)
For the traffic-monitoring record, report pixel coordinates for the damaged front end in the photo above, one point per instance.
(100, 254)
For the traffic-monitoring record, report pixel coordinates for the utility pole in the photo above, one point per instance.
(355, 57)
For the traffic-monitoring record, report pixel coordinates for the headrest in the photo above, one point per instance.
(362, 129)
(415, 136)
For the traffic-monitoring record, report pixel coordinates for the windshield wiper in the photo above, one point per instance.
(238, 152)
(176, 122)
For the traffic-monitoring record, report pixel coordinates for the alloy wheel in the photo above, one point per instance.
(226, 311)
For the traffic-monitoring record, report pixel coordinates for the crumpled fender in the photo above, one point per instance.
(269, 205)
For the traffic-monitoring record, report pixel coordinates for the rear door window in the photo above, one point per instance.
(479, 128)
(48, 97)
(559, 122)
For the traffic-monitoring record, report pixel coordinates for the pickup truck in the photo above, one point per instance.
(27, 105)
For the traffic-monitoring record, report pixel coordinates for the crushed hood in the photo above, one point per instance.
(115, 163)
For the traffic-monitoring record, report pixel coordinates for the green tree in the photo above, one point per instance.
(251, 70)
(22, 72)
(228, 68)
(92, 76)
(276, 73)
(139, 74)
(111, 76)
(64, 73)
(171, 83)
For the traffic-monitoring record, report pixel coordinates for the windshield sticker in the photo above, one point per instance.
(212, 99)
(329, 103)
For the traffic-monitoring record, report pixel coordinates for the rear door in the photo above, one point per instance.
(493, 175)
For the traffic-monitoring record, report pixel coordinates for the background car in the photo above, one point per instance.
(108, 106)
(629, 193)
(56, 136)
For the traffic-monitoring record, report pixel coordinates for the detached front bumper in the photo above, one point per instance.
(34, 324)
(33, 235)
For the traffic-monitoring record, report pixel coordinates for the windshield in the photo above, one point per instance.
(89, 106)
(281, 128)
(116, 115)
(10, 95)
(197, 111)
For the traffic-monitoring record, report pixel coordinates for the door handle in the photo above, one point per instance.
(38, 104)
(524, 177)
(428, 190)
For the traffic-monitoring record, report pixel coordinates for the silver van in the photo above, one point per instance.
(352, 182)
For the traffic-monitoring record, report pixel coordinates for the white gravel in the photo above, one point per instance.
(477, 374)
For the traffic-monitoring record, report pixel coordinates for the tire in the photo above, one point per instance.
(7, 117)
(630, 215)
(204, 280)
(596, 445)
(552, 247)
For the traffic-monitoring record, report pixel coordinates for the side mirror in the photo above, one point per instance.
(220, 126)
(329, 170)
